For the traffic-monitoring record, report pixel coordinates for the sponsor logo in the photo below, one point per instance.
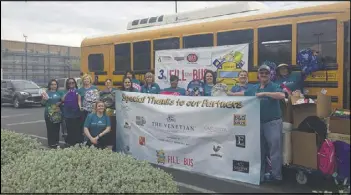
(142, 140)
(164, 58)
(171, 118)
(192, 57)
(240, 141)
(215, 129)
(241, 166)
(216, 149)
(178, 58)
(127, 125)
(239, 119)
(171, 126)
(161, 158)
(140, 120)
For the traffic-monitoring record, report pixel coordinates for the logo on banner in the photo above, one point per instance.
(127, 125)
(216, 149)
(140, 120)
(192, 58)
(240, 141)
(171, 118)
(142, 140)
(178, 59)
(241, 166)
(161, 157)
(239, 119)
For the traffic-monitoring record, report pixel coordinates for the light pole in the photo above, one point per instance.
(176, 10)
(25, 59)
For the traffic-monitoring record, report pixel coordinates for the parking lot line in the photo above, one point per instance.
(2, 117)
(24, 123)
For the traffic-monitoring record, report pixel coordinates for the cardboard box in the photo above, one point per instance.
(301, 111)
(324, 105)
(304, 149)
(339, 137)
(339, 125)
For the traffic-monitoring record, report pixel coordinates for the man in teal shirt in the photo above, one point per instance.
(271, 123)
(174, 87)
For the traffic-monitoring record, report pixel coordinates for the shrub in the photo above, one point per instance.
(83, 170)
(15, 145)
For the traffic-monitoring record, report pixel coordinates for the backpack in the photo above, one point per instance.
(342, 152)
(196, 88)
(308, 62)
(108, 99)
(71, 100)
(90, 97)
(220, 89)
(54, 114)
(313, 124)
(326, 158)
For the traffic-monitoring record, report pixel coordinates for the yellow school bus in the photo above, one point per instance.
(274, 35)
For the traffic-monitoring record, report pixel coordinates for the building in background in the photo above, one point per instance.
(38, 62)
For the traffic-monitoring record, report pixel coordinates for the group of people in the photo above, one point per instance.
(92, 125)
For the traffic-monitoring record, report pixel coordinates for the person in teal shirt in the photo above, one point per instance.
(96, 126)
(269, 94)
(128, 85)
(285, 76)
(174, 87)
(150, 86)
(135, 82)
(87, 85)
(210, 81)
(242, 85)
(52, 114)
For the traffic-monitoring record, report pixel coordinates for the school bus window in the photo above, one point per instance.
(142, 55)
(135, 22)
(320, 36)
(274, 44)
(160, 19)
(204, 40)
(96, 62)
(237, 37)
(153, 20)
(122, 57)
(164, 44)
(144, 21)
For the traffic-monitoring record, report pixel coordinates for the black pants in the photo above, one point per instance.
(53, 132)
(74, 131)
(102, 142)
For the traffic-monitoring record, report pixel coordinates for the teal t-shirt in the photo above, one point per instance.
(96, 124)
(237, 88)
(269, 107)
(54, 98)
(292, 81)
(208, 90)
(82, 91)
(154, 89)
(180, 90)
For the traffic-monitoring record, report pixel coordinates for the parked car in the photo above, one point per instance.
(20, 92)
(62, 83)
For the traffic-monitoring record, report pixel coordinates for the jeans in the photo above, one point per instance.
(271, 146)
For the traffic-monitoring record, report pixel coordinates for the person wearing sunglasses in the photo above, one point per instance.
(288, 80)
(174, 89)
(269, 94)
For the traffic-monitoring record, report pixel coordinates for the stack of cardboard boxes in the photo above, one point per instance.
(303, 146)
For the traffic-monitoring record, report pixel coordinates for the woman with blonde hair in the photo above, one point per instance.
(150, 86)
(86, 106)
(96, 126)
(242, 85)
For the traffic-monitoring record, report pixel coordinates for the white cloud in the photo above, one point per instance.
(68, 23)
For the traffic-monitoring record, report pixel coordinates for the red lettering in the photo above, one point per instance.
(171, 72)
(198, 74)
(173, 160)
(188, 162)
(183, 76)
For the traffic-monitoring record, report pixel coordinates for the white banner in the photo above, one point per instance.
(190, 64)
(217, 136)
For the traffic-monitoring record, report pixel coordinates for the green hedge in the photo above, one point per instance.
(83, 170)
(15, 145)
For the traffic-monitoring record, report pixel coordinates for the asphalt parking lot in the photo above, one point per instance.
(30, 120)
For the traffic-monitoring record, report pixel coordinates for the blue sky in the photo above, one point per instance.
(68, 23)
